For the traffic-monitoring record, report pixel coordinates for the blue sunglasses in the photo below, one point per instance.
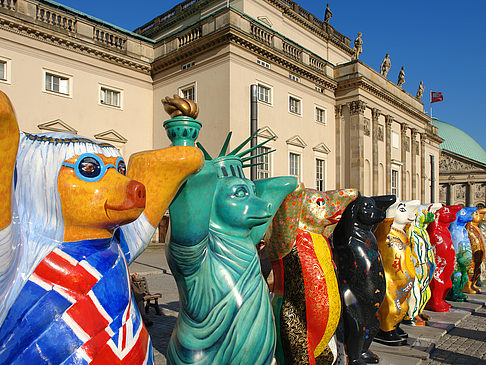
(89, 167)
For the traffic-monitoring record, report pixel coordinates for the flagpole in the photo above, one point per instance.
(431, 110)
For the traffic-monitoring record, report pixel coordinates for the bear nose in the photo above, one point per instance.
(136, 194)
(269, 208)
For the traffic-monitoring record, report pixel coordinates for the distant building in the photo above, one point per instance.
(462, 168)
(338, 122)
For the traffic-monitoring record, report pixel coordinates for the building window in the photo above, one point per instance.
(294, 164)
(263, 63)
(294, 78)
(394, 183)
(295, 105)
(320, 174)
(319, 89)
(264, 169)
(320, 115)
(56, 83)
(265, 93)
(3, 70)
(188, 92)
(187, 65)
(110, 97)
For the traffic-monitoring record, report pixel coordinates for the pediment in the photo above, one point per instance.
(452, 164)
(266, 133)
(297, 141)
(57, 125)
(321, 147)
(112, 136)
(265, 20)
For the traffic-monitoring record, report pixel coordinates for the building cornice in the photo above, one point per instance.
(23, 27)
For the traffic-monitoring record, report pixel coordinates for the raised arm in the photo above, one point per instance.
(191, 209)
(273, 190)
(9, 142)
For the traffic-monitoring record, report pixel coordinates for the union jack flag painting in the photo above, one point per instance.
(77, 308)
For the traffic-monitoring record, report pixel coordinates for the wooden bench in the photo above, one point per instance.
(149, 299)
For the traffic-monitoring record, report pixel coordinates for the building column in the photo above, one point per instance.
(388, 151)
(338, 116)
(468, 193)
(422, 168)
(403, 130)
(375, 114)
(356, 134)
(413, 168)
(448, 193)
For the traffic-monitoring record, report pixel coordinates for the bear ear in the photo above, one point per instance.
(384, 201)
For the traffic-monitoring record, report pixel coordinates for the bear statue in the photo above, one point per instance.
(217, 219)
(424, 261)
(73, 218)
(445, 257)
(477, 248)
(462, 246)
(399, 269)
(360, 272)
(306, 301)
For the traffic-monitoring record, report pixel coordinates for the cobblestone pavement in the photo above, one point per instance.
(465, 344)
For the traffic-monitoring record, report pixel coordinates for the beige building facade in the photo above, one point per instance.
(337, 122)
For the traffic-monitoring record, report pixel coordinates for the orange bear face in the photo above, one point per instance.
(96, 196)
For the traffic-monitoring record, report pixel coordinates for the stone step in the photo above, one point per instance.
(422, 340)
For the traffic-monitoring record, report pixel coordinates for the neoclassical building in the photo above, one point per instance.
(462, 168)
(336, 121)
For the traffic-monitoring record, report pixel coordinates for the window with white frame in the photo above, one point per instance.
(295, 105)
(320, 115)
(57, 83)
(263, 63)
(3, 70)
(110, 97)
(294, 78)
(265, 93)
(395, 182)
(264, 169)
(320, 174)
(187, 65)
(294, 164)
(188, 92)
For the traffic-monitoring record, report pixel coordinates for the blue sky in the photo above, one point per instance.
(439, 42)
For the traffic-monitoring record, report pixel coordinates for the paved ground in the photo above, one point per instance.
(464, 344)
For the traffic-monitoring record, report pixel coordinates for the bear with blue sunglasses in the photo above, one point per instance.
(72, 219)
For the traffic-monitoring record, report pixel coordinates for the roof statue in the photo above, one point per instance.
(385, 65)
(420, 91)
(358, 46)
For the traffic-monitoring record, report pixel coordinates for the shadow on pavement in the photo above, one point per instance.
(467, 333)
(449, 357)
(162, 327)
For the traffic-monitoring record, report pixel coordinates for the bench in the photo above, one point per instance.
(149, 299)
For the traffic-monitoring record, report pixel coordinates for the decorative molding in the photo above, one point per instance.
(321, 147)
(266, 132)
(403, 128)
(381, 133)
(357, 107)
(265, 20)
(297, 141)
(367, 126)
(375, 114)
(57, 125)
(449, 164)
(388, 121)
(407, 144)
(111, 135)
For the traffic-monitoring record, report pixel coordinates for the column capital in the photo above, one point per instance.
(375, 114)
(423, 136)
(357, 107)
(403, 127)
(388, 121)
(414, 132)
(338, 110)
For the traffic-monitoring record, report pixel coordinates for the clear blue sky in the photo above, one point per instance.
(440, 42)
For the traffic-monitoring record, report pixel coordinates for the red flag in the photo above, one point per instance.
(435, 96)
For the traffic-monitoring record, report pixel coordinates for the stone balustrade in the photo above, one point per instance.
(261, 34)
(8, 4)
(110, 39)
(55, 18)
(190, 36)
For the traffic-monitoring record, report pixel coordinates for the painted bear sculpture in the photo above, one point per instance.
(477, 248)
(399, 269)
(306, 301)
(424, 261)
(462, 246)
(360, 271)
(217, 219)
(73, 225)
(445, 257)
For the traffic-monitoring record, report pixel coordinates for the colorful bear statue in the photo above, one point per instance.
(477, 248)
(399, 269)
(306, 301)
(72, 220)
(424, 261)
(217, 219)
(360, 272)
(445, 257)
(462, 246)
